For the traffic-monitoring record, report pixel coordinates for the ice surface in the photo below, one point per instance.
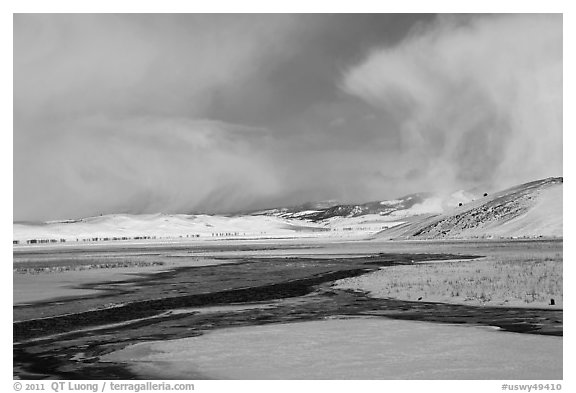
(358, 348)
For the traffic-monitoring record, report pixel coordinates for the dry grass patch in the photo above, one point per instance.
(529, 281)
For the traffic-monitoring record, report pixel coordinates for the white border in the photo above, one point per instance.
(248, 6)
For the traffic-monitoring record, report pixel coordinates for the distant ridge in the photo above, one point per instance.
(528, 210)
(320, 211)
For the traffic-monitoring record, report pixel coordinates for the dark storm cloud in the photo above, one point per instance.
(307, 72)
(109, 112)
(182, 113)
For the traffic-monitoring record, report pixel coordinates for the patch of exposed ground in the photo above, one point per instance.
(514, 282)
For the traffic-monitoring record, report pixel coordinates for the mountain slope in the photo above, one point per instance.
(528, 210)
(411, 204)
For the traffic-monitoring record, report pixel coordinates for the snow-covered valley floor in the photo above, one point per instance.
(358, 348)
(269, 309)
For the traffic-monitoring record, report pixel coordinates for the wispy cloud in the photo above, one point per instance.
(474, 99)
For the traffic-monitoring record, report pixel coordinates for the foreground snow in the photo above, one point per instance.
(349, 349)
(53, 284)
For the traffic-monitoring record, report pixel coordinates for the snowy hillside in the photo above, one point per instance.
(316, 212)
(161, 226)
(529, 210)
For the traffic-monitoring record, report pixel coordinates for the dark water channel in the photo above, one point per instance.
(64, 338)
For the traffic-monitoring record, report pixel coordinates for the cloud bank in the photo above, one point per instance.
(474, 100)
(146, 164)
(110, 113)
(221, 113)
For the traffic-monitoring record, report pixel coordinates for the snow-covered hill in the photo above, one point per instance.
(316, 212)
(529, 210)
(161, 226)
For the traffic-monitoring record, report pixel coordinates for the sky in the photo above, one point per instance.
(214, 113)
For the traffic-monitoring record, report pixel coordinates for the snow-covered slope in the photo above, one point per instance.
(421, 203)
(118, 226)
(529, 210)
